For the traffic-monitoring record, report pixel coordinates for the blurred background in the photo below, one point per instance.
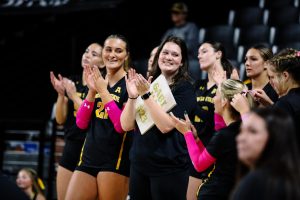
(39, 36)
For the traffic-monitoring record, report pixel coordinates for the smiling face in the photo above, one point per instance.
(254, 62)
(114, 53)
(24, 180)
(92, 56)
(207, 56)
(252, 139)
(170, 59)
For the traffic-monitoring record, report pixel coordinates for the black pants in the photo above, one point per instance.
(169, 187)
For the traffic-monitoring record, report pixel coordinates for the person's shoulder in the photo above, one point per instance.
(200, 82)
(40, 197)
(184, 84)
(193, 24)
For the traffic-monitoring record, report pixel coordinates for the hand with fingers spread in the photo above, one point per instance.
(131, 85)
(70, 87)
(240, 103)
(99, 81)
(184, 126)
(261, 97)
(142, 85)
(57, 83)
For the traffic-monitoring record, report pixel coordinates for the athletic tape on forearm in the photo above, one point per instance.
(200, 157)
(84, 114)
(114, 113)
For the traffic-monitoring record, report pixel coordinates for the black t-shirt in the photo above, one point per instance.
(254, 187)
(269, 90)
(204, 115)
(156, 153)
(222, 147)
(290, 103)
(104, 146)
(72, 132)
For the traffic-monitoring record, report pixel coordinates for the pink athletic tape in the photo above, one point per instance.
(114, 114)
(219, 122)
(84, 113)
(200, 157)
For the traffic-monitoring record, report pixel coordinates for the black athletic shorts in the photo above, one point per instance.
(71, 154)
(93, 171)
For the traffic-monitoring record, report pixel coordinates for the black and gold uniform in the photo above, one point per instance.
(74, 137)
(204, 118)
(104, 148)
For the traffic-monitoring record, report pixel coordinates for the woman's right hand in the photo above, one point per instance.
(183, 126)
(57, 83)
(261, 97)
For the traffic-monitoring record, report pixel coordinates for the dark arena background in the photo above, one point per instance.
(37, 37)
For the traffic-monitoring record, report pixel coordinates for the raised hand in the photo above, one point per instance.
(130, 84)
(142, 85)
(218, 76)
(181, 125)
(57, 83)
(99, 81)
(70, 87)
(89, 78)
(240, 103)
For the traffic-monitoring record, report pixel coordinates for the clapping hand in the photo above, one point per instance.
(57, 83)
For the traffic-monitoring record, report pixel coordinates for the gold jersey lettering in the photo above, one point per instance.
(118, 90)
(100, 111)
(115, 97)
(209, 99)
(214, 91)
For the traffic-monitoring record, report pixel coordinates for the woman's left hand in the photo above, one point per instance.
(142, 85)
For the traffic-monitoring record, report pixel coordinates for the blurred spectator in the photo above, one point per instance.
(9, 190)
(268, 147)
(184, 29)
(30, 183)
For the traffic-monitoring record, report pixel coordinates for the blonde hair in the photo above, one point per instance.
(231, 87)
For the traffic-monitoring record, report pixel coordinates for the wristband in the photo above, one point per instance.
(146, 96)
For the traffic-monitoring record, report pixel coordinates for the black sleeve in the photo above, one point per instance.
(216, 145)
(186, 100)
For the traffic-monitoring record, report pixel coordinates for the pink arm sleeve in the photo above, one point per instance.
(219, 122)
(84, 114)
(114, 114)
(199, 155)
